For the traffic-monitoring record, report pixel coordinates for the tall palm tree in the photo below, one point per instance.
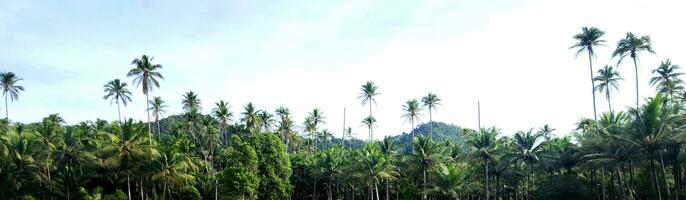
(146, 75)
(485, 143)
(8, 83)
(191, 102)
(285, 126)
(607, 79)
(586, 41)
(631, 46)
(317, 118)
(173, 171)
(370, 123)
(158, 108)
(431, 101)
(372, 166)
(667, 79)
(369, 91)
(251, 118)
(223, 115)
(411, 113)
(116, 91)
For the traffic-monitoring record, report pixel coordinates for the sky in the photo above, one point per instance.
(512, 56)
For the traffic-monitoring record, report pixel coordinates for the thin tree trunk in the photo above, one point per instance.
(487, 185)
(602, 183)
(118, 110)
(590, 65)
(664, 176)
(7, 112)
(159, 131)
(128, 183)
(609, 103)
(376, 186)
(371, 132)
(431, 123)
(621, 183)
(147, 105)
(636, 70)
(654, 175)
(424, 184)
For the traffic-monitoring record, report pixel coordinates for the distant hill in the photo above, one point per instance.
(441, 132)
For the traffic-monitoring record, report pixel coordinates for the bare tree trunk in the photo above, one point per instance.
(147, 105)
(590, 65)
(118, 110)
(636, 70)
(664, 176)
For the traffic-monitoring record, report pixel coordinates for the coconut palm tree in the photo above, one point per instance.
(223, 115)
(158, 108)
(10, 89)
(607, 79)
(125, 149)
(527, 149)
(411, 113)
(266, 121)
(285, 126)
(370, 123)
(431, 101)
(426, 156)
(251, 118)
(667, 79)
(485, 144)
(316, 118)
(369, 91)
(173, 171)
(146, 75)
(191, 102)
(631, 46)
(116, 91)
(587, 41)
(372, 166)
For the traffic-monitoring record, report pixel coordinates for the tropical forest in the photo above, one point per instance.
(182, 148)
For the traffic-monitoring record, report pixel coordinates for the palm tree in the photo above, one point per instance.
(485, 143)
(451, 180)
(223, 116)
(8, 83)
(412, 112)
(157, 106)
(631, 46)
(316, 118)
(285, 126)
(607, 79)
(426, 156)
(367, 96)
(372, 166)
(586, 41)
(173, 171)
(251, 118)
(116, 91)
(266, 121)
(126, 148)
(667, 79)
(145, 76)
(370, 123)
(527, 150)
(431, 100)
(191, 102)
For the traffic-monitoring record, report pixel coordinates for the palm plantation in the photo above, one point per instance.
(268, 153)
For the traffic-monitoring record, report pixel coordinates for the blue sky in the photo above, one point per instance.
(511, 55)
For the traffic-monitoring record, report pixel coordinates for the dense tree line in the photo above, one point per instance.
(261, 154)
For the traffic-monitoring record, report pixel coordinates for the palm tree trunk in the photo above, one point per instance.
(602, 182)
(664, 176)
(371, 132)
(118, 110)
(314, 190)
(431, 124)
(147, 105)
(487, 188)
(376, 186)
(621, 183)
(636, 70)
(590, 65)
(609, 104)
(7, 112)
(654, 175)
(424, 183)
(159, 131)
(128, 182)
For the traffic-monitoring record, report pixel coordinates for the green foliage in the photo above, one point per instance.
(240, 178)
(274, 167)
